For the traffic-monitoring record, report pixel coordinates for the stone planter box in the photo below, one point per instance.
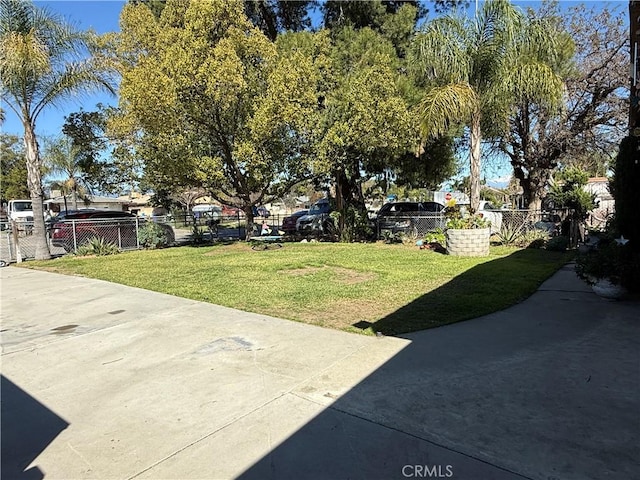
(468, 243)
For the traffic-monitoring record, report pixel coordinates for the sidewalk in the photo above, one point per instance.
(105, 381)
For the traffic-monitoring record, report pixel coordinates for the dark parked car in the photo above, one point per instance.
(410, 217)
(73, 229)
(62, 216)
(289, 223)
(317, 220)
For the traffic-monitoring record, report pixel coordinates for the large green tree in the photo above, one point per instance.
(214, 104)
(365, 126)
(13, 171)
(43, 61)
(593, 61)
(364, 122)
(475, 69)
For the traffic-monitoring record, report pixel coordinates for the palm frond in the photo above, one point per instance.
(441, 50)
(75, 80)
(445, 106)
(43, 59)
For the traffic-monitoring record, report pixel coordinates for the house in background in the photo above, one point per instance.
(138, 204)
(606, 203)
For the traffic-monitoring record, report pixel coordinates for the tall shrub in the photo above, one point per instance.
(625, 186)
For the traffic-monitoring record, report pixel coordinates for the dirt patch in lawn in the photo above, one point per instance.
(339, 314)
(351, 277)
(301, 272)
(346, 276)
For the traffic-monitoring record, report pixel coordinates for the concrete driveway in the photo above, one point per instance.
(111, 382)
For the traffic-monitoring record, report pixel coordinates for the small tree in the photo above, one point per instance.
(568, 192)
(62, 161)
(13, 171)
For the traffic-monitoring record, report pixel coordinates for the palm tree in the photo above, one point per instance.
(63, 159)
(476, 69)
(43, 62)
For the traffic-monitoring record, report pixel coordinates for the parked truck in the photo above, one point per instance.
(21, 210)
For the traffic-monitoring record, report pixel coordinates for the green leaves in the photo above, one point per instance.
(475, 72)
(218, 105)
(445, 106)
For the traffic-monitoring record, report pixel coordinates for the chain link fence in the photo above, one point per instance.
(413, 226)
(72, 234)
(418, 225)
(123, 232)
(223, 226)
(17, 241)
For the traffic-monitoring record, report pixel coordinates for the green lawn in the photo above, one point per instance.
(355, 287)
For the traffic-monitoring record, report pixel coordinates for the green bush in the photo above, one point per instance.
(509, 234)
(390, 238)
(518, 236)
(437, 236)
(558, 244)
(537, 243)
(97, 246)
(197, 235)
(151, 235)
(534, 238)
(458, 219)
(624, 186)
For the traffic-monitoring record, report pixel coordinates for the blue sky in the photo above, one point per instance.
(103, 15)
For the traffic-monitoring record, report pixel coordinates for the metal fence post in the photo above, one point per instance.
(75, 240)
(10, 242)
(14, 231)
(137, 231)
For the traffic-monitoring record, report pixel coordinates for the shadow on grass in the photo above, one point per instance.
(523, 393)
(28, 427)
(485, 288)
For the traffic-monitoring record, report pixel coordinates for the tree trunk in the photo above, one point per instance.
(341, 200)
(34, 182)
(248, 212)
(349, 200)
(474, 178)
(535, 203)
(532, 188)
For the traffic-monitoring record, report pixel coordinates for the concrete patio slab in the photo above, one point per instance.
(103, 381)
